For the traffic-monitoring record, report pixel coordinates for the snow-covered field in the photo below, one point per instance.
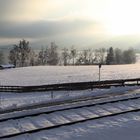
(60, 74)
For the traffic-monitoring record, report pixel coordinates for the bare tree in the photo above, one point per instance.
(14, 55)
(42, 57)
(20, 54)
(32, 58)
(73, 54)
(99, 55)
(85, 57)
(65, 56)
(24, 52)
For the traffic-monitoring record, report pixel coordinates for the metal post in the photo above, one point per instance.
(100, 72)
(0, 101)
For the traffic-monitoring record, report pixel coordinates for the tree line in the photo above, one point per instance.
(118, 56)
(23, 55)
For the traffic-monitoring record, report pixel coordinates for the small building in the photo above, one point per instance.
(8, 66)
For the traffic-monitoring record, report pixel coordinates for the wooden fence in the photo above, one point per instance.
(72, 86)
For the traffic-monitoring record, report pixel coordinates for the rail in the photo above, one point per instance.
(96, 111)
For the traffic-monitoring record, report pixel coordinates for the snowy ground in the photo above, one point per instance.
(126, 126)
(15, 100)
(59, 74)
(120, 127)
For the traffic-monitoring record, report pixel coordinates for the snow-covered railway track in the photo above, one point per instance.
(67, 116)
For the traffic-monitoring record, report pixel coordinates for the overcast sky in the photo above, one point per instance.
(70, 22)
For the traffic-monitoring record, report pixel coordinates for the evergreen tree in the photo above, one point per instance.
(52, 54)
(110, 56)
(118, 56)
(129, 56)
(1, 57)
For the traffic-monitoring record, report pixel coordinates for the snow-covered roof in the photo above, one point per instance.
(7, 66)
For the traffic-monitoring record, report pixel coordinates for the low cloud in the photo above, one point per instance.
(41, 29)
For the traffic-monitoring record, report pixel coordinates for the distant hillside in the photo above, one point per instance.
(5, 47)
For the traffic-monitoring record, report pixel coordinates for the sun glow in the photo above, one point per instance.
(100, 19)
(118, 17)
(122, 17)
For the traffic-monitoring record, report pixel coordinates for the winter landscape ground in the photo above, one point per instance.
(44, 34)
(126, 126)
(39, 75)
(42, 75)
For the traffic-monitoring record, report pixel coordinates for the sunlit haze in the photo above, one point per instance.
(98, 23)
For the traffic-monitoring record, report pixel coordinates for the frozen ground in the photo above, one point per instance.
(59, 74)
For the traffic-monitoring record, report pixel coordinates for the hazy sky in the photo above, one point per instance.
(70, 22)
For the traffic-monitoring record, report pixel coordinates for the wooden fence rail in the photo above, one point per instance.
(72, 86)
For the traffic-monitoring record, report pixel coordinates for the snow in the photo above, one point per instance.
(105, 128)
(39, 75)
(118, 127)
(15, 100)
(60, 74)
(8, 128)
